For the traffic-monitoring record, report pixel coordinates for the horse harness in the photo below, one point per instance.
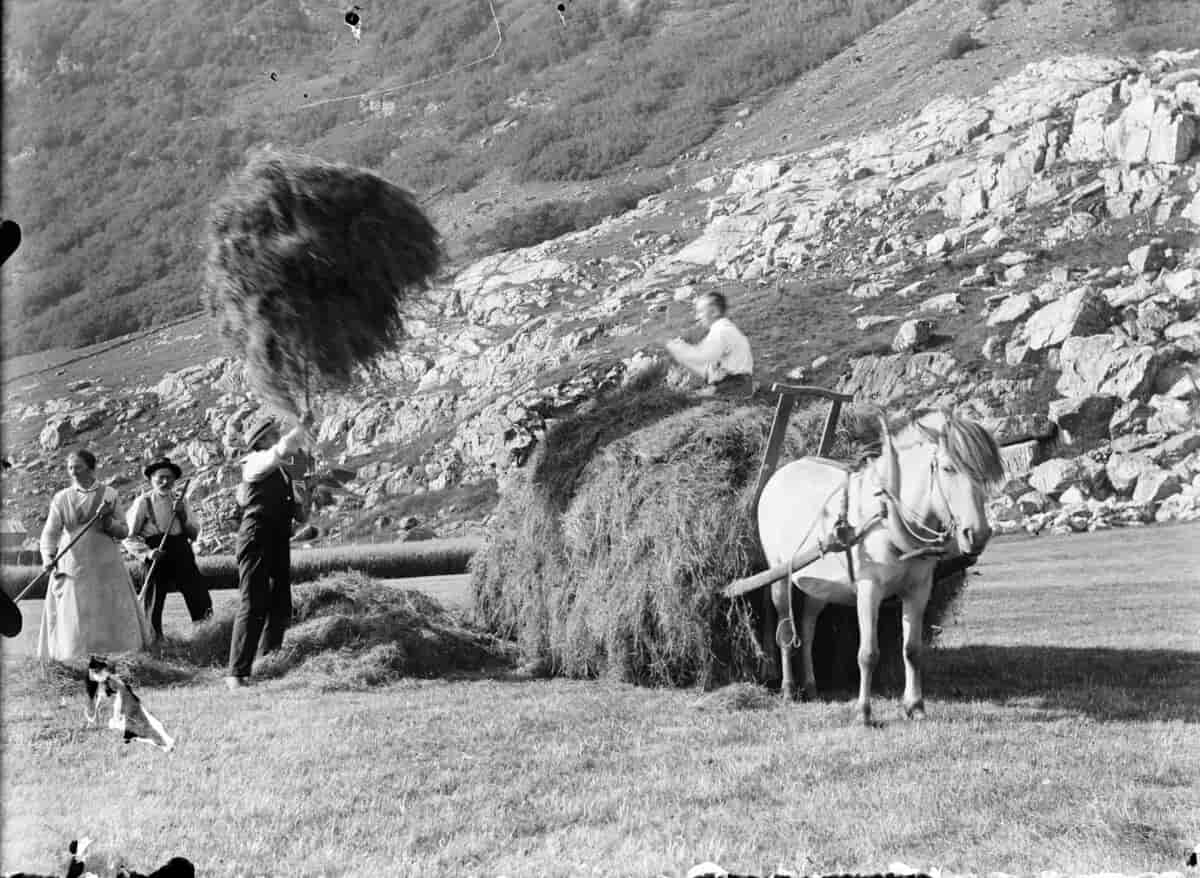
(843, 536)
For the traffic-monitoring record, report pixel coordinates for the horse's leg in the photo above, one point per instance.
(808, 630)
(783, 613)
(870, 596)
(912, 621)
(769, 647)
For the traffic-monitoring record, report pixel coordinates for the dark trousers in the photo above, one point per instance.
(265, 587)
(734, 385)
(176, 570)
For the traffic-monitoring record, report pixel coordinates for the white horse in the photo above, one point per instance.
(923, 496)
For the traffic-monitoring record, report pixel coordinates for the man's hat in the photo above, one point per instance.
(162, 463)
(258, 427)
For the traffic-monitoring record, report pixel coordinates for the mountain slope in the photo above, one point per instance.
(1002, 227)
(123, 118)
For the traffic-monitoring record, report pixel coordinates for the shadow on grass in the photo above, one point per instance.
(1151, 685)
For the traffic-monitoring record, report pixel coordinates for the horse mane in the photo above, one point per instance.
(970, 446)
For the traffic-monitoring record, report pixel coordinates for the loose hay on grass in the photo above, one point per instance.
(348, 631)
(351, 631)
(609, 549)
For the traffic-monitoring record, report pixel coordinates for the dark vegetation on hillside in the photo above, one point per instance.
(155, 103)
(122, 122)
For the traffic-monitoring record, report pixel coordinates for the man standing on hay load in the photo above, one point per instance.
(723, 357)
(270, 502)
(161, 531)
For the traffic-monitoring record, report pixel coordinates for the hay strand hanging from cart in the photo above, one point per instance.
(308, 265)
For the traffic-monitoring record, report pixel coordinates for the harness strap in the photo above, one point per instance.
(843, 538)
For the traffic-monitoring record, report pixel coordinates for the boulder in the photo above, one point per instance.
(1054, 476)
(1179, 507)
(871, 320)
(56, 433)
(1154, 485)
(1084, 418)
(993, 348)
(945, 303)
(89, 419)
(931, 369)
(1123, 470)
(1177, 449)
(1093, 480)
(1018, 352)
(1012, 308)
(1153, 319)
(1099, 365)
(1130, 417)
(756, 177)
(1149, 257)
(1020, 457)
(1020, 428)
(1172, 136)
(1171, 415)
(1178, 381)
(912, 335)
(875, 378)
(1127, 138)
(1081, 312)
(938, 245)
(1179, 282)
(1183, 331)
(1033, 502)
(722, 240)
(1073, 496)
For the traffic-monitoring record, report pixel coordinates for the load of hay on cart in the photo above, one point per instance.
(627, 547)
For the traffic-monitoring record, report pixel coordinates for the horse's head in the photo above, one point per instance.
(967, 467)
(963, 468)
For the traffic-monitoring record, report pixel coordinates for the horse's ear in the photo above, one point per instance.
(889, 471)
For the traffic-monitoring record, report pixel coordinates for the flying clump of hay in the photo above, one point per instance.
(609, 551)
(308, 265)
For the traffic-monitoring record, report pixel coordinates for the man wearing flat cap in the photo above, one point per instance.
(270, 503)
(161, 531)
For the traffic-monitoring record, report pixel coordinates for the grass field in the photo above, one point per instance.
(1062, 734)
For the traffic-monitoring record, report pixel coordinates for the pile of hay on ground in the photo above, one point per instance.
(348, 631)
(353, 631)
(608, 552)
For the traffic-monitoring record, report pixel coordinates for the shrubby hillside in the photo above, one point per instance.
(123, 118)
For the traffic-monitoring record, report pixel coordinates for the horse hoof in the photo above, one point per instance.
(915, 711)
(808, 694)
(864, 716)
(793, 693)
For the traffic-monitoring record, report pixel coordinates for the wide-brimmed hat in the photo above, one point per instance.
(258, 427)
(162, 463)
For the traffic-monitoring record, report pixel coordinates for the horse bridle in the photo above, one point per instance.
(845, 537)
(931, 538)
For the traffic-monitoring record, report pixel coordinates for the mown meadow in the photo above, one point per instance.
(1061, 736)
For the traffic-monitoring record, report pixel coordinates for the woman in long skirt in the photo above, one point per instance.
(91, 605)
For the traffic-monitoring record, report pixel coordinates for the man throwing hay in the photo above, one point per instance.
(161, 531)
(270, 503)
(722, 359)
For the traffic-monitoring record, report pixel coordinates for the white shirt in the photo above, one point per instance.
(257, 465)
(148, 516)
(722, 352)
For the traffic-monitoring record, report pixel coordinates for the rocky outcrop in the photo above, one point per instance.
(518, 340)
